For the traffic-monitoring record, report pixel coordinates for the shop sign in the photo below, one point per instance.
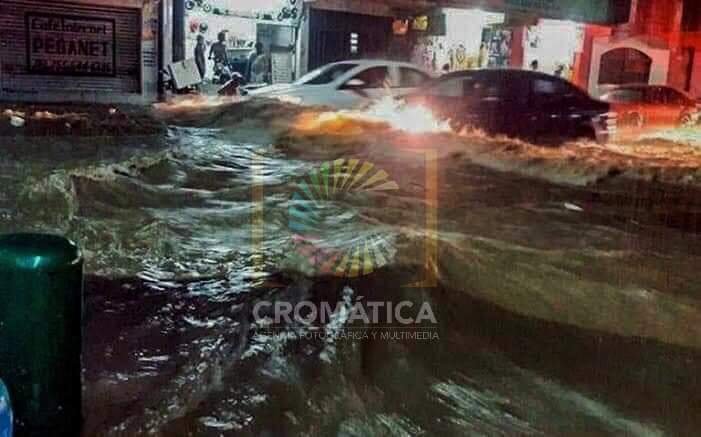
(420, 23)
(594, 11)
(70, 45)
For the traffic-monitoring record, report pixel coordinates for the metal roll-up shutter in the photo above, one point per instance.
(47, 47)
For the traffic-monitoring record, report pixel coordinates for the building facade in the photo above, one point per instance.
(80, 50)
(597, 44)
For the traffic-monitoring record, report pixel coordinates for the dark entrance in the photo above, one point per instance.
(336, 36)
(625, 65)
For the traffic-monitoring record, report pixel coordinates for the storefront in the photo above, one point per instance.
(245, 22)
(85, 50)
(472, 39)
(334, 30)
(554, 45)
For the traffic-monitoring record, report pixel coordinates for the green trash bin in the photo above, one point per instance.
(41, 306)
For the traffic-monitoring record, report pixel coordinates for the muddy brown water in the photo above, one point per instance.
(562, 309)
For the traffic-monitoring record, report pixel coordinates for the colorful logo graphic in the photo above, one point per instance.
(331, 236)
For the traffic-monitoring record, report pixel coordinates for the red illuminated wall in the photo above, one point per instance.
(659, 24)
(583, 62)
(661, 21)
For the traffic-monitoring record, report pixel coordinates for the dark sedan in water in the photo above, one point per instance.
(523, 104)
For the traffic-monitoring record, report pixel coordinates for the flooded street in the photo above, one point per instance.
(564, 284)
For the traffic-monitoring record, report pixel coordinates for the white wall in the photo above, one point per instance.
(558, 42)
(463, 27)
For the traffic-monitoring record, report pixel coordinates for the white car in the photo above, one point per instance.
(348, 84)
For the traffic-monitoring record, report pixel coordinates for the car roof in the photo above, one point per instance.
(373, 62)
(632, 86)
(500, 72)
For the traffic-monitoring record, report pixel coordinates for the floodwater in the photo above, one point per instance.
(565, 297)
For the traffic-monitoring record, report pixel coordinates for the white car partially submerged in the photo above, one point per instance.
(349, 84)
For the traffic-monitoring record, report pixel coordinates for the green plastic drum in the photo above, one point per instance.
(41, 306)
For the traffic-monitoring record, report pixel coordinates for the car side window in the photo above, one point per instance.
(448, 88)
(410, 78)
(483, 89)
(674, 97)
(554, 91)
(543, 87)
(656, 96)
(624, 96)
(326, 74)
(374, 77)
(548, 87)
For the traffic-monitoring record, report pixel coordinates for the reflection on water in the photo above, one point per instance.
(563, 309)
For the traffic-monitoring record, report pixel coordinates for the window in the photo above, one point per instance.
(656, 95)
(410, 78)
(448, 88)
(548, 87)
(354, 44)
(628, 95)
(325, 74)
(691, 16)
(555, 91)
(483, 89)
(660, 95)
(674, 97)
(374, 77)
(625, 65)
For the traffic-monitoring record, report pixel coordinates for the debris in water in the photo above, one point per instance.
(573, 207)
(16, 121)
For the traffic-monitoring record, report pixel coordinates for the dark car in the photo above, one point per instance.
(651, 105)
(517, 103)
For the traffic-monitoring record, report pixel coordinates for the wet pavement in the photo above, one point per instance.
(566, 295)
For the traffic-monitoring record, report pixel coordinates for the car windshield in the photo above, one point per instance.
(325, 74)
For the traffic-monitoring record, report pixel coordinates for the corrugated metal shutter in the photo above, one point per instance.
(330, 35)
(14, 71)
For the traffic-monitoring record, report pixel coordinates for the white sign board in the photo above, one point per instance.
(281, 65)
(185, 73)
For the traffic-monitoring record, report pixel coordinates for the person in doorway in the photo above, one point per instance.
(260, 70)
(483, 58)
(534, 65)
(255, 53)
(560, 70)
(200, 50)
(218, 51)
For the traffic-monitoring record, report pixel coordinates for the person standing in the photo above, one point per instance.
(251, 59)
(560, 70)
(200, 60)
(261, 68)
(483, 58)
(218, 50)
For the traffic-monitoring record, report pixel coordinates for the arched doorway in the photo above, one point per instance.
(624, 65)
